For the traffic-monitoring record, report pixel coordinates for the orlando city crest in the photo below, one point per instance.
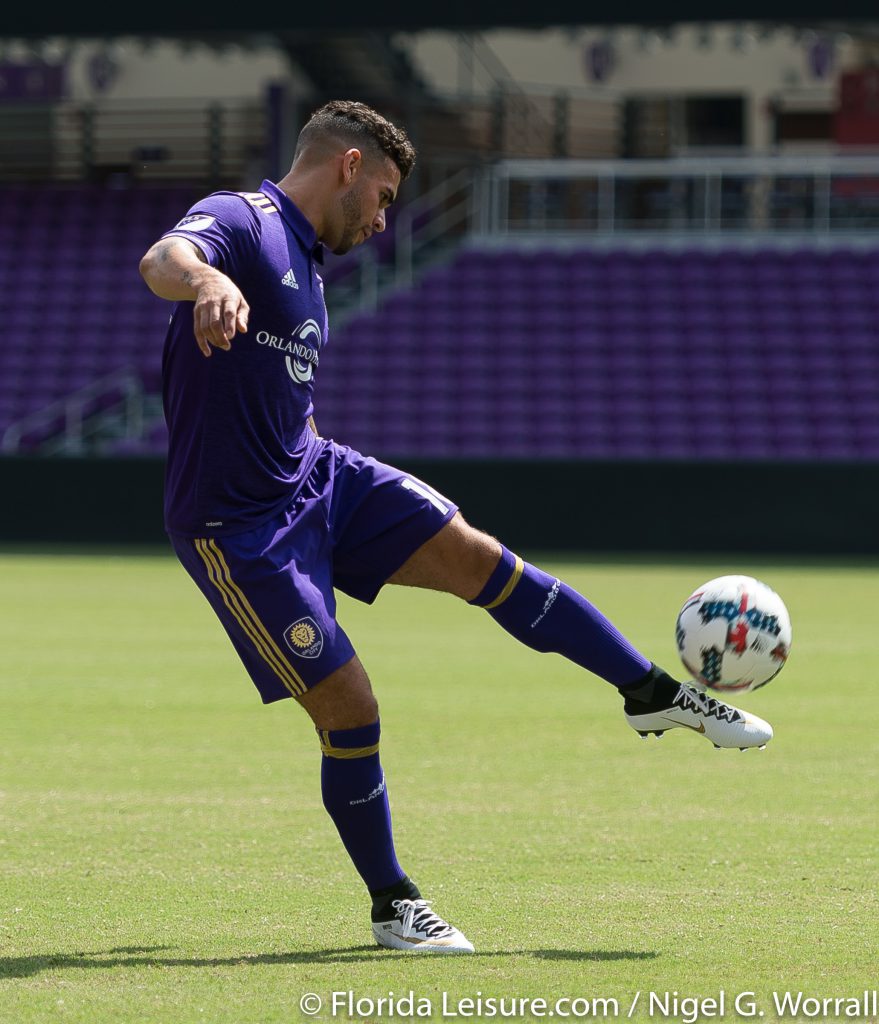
(304, 637)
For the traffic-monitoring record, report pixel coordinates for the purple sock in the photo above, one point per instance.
(354, 794)
(547, 615)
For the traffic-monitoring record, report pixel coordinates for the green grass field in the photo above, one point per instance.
(164, 856)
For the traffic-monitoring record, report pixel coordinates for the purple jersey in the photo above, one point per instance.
(239, 443)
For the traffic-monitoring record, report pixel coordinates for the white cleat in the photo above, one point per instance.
(416, 928)
(721, 723)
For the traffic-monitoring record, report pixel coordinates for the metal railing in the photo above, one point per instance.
(814, 194)
(180, 140)
(354, 284)
(515, 122)
(501, 116)
(732, 197)
(228, 140)
(423, 232)
(65, 425)
(447, 210)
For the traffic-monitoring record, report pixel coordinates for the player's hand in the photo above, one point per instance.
(220, 311)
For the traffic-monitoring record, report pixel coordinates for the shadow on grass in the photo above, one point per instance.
(589, 954)
(144, 956)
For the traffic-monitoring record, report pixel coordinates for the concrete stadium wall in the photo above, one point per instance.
(761, 63)
(668, 507)
(131, 67)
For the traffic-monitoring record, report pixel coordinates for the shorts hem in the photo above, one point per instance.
(273, 697)
(368, 595)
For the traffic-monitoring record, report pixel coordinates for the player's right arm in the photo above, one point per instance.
(176, 269)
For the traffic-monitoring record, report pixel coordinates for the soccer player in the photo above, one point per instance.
(269, 518)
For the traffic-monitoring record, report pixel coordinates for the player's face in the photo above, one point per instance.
(364, 203)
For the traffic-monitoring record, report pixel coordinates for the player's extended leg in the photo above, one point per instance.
(547, 615)
(345, 714)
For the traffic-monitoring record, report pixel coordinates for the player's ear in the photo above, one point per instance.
(351, 162)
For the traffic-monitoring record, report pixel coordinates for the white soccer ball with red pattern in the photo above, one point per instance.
(733, 634)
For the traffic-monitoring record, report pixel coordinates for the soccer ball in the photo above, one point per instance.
(733, 634)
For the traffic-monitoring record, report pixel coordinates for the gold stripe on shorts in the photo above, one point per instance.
(240, 607)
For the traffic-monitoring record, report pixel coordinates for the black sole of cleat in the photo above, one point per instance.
(651, 732)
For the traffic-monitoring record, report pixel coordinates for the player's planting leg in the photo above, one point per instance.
(547, 615)
(355, 796)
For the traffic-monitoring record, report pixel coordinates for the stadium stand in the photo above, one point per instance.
(621, 354)
(761, 353)
(77, 311)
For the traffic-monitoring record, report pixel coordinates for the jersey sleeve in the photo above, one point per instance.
(224, 227)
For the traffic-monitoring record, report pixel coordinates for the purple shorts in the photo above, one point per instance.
(354, 522)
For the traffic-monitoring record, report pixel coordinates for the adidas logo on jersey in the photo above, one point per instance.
(289, 279)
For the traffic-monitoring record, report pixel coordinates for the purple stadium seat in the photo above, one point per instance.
(614, 354)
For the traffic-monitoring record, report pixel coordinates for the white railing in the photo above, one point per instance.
(816, 194)
(423, 230)
(734, 197)
(67, 423)
(447, 209)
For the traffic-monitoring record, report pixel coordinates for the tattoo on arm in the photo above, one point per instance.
(163, 251)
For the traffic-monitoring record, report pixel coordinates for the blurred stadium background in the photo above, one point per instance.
(636, 264)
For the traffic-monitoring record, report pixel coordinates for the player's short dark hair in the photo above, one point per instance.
(350, 120)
